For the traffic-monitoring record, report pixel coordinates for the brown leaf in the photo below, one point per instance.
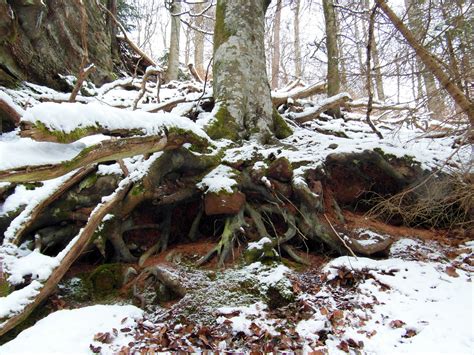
(343, 346)
(396, 323)
(324, 311)
(125, 330)
(105, 338)
(451, 271)
(410, 333)
(95, 349)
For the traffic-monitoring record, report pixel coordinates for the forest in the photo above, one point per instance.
(250, 176)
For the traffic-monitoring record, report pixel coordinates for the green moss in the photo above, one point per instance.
(223, 126)
(63, 137)
(4, 288)
(88, 182)
(221, 32)
(282, 130)
(198, 143)
(105, 281)
(32, 185)
(137, 189)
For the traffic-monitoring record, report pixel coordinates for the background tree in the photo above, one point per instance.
(173, 53)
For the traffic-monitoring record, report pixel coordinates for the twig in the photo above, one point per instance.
(337, 234)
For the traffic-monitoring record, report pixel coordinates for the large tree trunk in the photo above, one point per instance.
(276, 46)
(41, 39)
(241, 90)
(173, 59)
(430, 62)
(333, 55)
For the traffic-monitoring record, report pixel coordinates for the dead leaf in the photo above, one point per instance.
(396, 324)
(105, 338)
(95, 349)
(410, 333)
(451, 271)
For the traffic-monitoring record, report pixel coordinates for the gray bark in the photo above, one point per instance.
(241, 89)
(276, 46)
(297, 46)
(199, 43)
(173, 59)
(333, 55)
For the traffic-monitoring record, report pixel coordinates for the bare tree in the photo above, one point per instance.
(173, 56)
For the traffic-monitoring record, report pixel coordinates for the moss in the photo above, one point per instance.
(88, 182)
(221, 31)
(137, 189)
(4, 288)
(180, 136)
(32, 185)
(105, 281)
(409, 160)
(223, 126)
(72, 136)
(282, 130)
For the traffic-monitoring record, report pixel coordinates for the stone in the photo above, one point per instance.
(281, 170)
(223, 202)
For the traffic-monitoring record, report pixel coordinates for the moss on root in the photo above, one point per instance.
(223, 126)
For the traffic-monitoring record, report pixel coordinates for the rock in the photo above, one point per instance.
(223, 203)
(282, 188)
(281, 170)
(333, 146)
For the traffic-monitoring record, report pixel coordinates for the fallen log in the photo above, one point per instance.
(104, 151)
(11, 113)
(279, 98)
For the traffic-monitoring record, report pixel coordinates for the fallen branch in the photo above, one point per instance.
(378, 106)
(279, 98)
(194, 73)
(78, 176)
(72, 252)
(314, 112)
(149, 72)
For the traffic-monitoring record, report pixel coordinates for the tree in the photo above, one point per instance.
(276, 45)
(333, 53)
(241, 90)
(173, 54)
(430, 62)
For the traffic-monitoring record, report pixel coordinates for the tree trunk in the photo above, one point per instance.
(199, 43)
(297, 46)
(430, 62)
(435, 101)
(173, 59)
(276, 46)
(241, 90)
(333, 55)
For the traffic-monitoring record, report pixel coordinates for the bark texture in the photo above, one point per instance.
(241, 89)
(41, 39)
(173, 59)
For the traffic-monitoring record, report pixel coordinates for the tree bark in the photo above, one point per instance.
(333, 55)
(297, 46)
(430, 62)
(173, 55)
(199, 43)
(241, 90)
(276, 46)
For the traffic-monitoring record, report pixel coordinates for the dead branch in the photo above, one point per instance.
(279, 98)
(149, 72)
(380, 107)
(72, 254)
(104, 151)
(194, 73)
(313, 113)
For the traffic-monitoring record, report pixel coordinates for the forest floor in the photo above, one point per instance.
(417, 298)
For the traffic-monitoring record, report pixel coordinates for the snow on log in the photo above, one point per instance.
(314, 112)
(68, 122)
(362, 103)
(11, 111)
(279, 98)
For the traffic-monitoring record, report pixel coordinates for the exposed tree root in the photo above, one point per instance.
(77, 246)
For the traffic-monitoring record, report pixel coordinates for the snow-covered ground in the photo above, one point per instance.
(391, 306)
(397, 305)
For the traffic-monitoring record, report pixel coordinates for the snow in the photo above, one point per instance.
(423, 296)
(17, 300)
(259, 244)
(67, 117)
(38, 265)
(72, 331)
(219, 179)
